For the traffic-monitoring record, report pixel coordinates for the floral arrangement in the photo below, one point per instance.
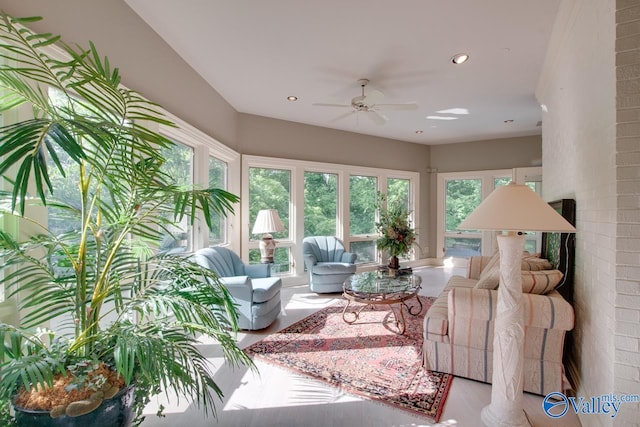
(394, 225)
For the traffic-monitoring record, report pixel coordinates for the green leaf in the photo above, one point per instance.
(24, 20)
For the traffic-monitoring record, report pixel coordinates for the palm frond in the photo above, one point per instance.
(24, 360)
(166, 356)
(102, 135)
(24, 143)
(26, 49)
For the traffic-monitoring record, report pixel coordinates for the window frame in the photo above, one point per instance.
(205, 147)
(297, 169)
(487, 177)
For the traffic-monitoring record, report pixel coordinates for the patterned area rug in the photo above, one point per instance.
(365, 358)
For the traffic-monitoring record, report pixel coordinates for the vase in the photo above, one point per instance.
(394, 263)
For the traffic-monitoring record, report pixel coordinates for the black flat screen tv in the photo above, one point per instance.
(559, 248)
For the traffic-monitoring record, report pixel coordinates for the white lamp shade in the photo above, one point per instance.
(515, 207)
(267, 221)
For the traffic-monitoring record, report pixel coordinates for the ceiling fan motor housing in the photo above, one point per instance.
(358, 103)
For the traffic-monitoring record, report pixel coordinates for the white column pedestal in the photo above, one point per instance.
(505, 409)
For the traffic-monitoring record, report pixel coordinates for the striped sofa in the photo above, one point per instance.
(458, 332)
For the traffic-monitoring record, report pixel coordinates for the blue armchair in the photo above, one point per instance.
(328, 263)
(256, 293)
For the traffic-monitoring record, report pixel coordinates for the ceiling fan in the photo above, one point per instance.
(370, 103)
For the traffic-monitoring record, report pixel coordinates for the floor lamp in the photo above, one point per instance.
(511, 208)
(267, 222)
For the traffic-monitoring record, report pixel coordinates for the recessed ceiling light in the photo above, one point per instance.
(419, 132)
(292, 98)
(460, 58)
(508, 121)
(441, 118)
(461, 111)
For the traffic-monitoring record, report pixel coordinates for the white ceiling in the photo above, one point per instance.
(256, 53)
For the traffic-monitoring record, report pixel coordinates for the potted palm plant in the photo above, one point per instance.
(105, 321)
(397, 236)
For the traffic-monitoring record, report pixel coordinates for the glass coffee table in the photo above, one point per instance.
(374, 288)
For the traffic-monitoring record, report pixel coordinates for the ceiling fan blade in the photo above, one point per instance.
(342, 116)
(377, 118)
(407, 106)
(373, 97)
(331, 105)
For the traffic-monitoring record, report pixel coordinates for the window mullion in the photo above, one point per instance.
(200, 180)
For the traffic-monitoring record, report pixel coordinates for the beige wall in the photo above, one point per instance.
(578, 87)
(147, 64)
(503, 153)
(263, 136)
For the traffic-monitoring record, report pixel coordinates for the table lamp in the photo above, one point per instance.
(267, 222)
(512, 208)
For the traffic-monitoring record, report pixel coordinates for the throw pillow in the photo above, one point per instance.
(490, 276)
(540, 282)
(493, 262)
(489, 281)
(535, 264)
(476, 265)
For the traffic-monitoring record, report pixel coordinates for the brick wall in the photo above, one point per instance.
(590, 86)
(627, 304)
(578, 158)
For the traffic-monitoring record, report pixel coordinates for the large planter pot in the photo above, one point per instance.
(114, 412)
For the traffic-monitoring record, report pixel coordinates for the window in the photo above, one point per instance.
(65, 187)
(317, 199)
(462, 196)
(500, 181)
(194, 159)
(199, 160)
(459, 194)
(271, 189)
(179, 166)
(363, 192)
(531, 177)
(320, 204)
(217, 179)
(398, 192)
